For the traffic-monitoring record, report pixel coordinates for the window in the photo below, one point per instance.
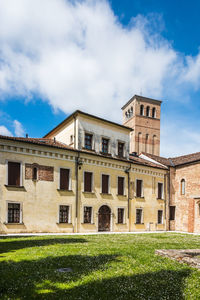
(120, 185)
(153, 112)
(14, 173)
(141, 110)
(147, 111)
(87, 214)
(139, 188)
(64, 179)
(105, 184)
(64, 214)
(172, 210)
(160, 217)
(138, 215)
(120, 149)
(183, 187)
(35, 173)
(160, 190)
(13, 213)
(120, 215)
(88, 141)
(105, 143)
(88, 182)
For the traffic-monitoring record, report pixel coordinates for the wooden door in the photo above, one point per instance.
(104, 218)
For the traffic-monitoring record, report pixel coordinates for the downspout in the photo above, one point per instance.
(78, 164)
(127, 171)
(165, 189)
(74, 132)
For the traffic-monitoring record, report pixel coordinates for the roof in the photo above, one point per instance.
(175, 161)
(88, 115)
(144, 99)
(55, 144)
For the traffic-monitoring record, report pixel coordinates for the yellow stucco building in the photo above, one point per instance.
(81, 177)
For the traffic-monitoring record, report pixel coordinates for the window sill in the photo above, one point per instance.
(121, 157)
(5, 223)
(64, 223)
(139, 197)
(121, 223)
(64, 190)
(160, 199)
(106, 154)
(92, 150)
(20, 187)
(139, 223)
(108, 194)
(89, 193)
(87, 223)
(119, 195)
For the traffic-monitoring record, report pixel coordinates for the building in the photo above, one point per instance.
(89, 174)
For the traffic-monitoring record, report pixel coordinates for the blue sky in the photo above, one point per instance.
(93, 56)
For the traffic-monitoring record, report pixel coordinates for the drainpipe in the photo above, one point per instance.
(127, 171)
(74, 132)
(78, 164)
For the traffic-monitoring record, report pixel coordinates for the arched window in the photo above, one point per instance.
(131, 110)
(142, 110)
(35, 173)
(182, 186)
(153, 112)
(147, 111)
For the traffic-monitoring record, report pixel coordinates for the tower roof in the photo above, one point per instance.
(144, 99)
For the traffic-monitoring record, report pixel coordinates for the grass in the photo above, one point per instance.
(104, 267)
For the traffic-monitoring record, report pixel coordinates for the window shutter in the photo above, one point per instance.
(120, 185)
(64, 179)
(159, 190)
(105, 180)
(88, 182)
(139, 188)
(13, 173)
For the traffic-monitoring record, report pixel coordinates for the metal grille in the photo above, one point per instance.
(87, 214)
(13, 213)
(64, 214)
(138, 216)
(120, 215)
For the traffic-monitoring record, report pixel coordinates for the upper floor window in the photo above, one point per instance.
(142, 110)
(183, 187)
(154, 112)
(148, 111)
(64, 179)
(120, 149)
(139, 188)
(160, 190)
(88, 182)
(88, 141)
(105, 184)
(14, 173)
(105, 143)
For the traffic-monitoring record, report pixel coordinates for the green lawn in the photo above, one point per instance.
(104, 267)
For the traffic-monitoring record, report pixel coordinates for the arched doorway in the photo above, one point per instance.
(104, 218)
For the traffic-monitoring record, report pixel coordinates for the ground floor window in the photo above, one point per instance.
(13, 213)
(139, 216)
(87, 214)
(64, 214)
(172, 213)
(160, 217)
(120, 216)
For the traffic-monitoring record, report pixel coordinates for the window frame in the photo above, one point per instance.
(123, 152)
(141, 110)
(92, 182)
(148, 111)
(182, 180)
(124, 214)
(92, 214)
(153, 112)
(92, 139)
(21, 172)
(162, 192)
(21, 211)
(142, 188)
(70, 179)
(142, 215)
(108, 183)
(170, 219)
(70, 212)
(108, 146)
(161, 218)
(124, 185)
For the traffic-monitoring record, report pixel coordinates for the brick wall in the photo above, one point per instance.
(45, 173)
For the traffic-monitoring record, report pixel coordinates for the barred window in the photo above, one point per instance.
(120, 216)
(87, 214)
(160, 216)
(139, 216)
(13, 213)
(64, 214)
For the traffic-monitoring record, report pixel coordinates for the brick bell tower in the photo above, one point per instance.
(143, 116)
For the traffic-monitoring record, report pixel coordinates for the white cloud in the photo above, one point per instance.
(5, 131)
(18, 128)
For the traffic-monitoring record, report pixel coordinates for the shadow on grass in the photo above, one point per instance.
(21, 279)
(7, 246)
(40, 279)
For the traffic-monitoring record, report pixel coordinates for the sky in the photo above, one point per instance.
(57, 56)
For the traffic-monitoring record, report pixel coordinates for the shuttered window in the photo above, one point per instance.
(172, 213)
(120, 185)
(120, 215)
(13, 173)
(13, 213)
(64, 179)
(139, 188)
(160, 190)
(64, 214)
(87, 214)
(88, 182)
(105, 184)
(138, 215)
(160, 216)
